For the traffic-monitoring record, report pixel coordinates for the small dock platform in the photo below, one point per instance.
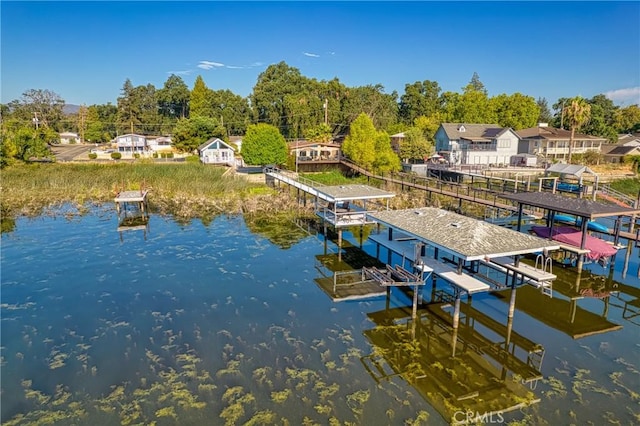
(138, 198)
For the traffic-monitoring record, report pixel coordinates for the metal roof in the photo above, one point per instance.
(576, 206)
(354, 192)
(570, 169)
(462, 236)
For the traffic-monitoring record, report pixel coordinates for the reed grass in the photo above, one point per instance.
(186, 190)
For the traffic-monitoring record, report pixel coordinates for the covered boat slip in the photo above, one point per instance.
(462, 242)
(474, 369)
(347, 205)
(584, 210)
(337, 205)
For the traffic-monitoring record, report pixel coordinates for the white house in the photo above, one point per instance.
(216, 151)
(552, 144)
(159, 144)
(131, 143)
(471, 144)
(69, 137)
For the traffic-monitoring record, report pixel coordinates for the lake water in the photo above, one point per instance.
(216, 324)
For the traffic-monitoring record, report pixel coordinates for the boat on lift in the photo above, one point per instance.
(577, 221)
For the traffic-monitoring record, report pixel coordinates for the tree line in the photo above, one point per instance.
(298, 106)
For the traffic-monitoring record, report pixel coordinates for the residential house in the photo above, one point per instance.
(476, 144)
(552, 144)
(69, 137)
(131, 144)
(159, 144)
(618, 152)
(629, 139)
(216, 151)
(304, 150)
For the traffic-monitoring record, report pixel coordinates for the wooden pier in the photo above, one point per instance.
(138, 198)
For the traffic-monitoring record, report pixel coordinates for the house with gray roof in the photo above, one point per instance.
(552, 144)
(216, 151)
(476, 144)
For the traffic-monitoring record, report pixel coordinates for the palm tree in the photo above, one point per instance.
(577, 114)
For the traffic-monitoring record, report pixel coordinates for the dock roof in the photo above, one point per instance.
(354, 192)
(462, 236)
(581, 207)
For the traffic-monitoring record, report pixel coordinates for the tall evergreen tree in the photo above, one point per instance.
(200, 99)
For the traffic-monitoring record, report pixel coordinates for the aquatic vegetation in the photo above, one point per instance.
(421, 419)
(356, 400)
(557, 388)
(237, 399)
(263, 417)
(325, 391)
(280, 397)
(323, 409)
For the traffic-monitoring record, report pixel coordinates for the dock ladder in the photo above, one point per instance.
(544, 264)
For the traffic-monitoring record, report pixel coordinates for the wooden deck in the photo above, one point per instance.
(131, 196)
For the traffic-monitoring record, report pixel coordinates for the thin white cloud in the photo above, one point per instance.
(185, 72)
(630, 95)
(207, 65)
(257, 64)
(234, 67)
(311, 55)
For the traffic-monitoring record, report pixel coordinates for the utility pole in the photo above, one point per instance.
(326, 112)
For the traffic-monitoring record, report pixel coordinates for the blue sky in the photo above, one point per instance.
(84, 51)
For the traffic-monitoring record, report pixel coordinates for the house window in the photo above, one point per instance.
(504, 143)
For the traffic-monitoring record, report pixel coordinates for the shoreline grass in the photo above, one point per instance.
(187, 190)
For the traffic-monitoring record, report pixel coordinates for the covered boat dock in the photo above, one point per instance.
(584, 210)
(459, 243)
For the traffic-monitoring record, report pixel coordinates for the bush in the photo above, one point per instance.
(116, 155)
(93, 156)
(136, 155)
(155, 155)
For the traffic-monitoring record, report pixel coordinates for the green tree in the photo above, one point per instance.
(264, 144)
(360, 144)
(602, 120)
(516, 111)
(21, 141)
(627, 120)
(173, 98)
(200, 99)
(128, 110)
(429, 125)
(415, 145)
(577, 114)
(419, 99)
(545, 115)
(476, 85)
(232, 110)
(192, 132)
(268, 99)
(146, 99)
(386, 160)
(319, 133)
(473, 105)
(382, 108)
(38, 107)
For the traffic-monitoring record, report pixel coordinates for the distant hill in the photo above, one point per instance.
(70, 109)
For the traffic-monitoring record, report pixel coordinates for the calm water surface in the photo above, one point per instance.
(194, 324)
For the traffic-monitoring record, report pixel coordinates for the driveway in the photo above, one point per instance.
(70, 152)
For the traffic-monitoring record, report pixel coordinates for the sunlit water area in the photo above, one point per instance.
(232, 322)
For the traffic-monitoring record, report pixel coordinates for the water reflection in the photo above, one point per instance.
(484, 378)
(217, 325)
